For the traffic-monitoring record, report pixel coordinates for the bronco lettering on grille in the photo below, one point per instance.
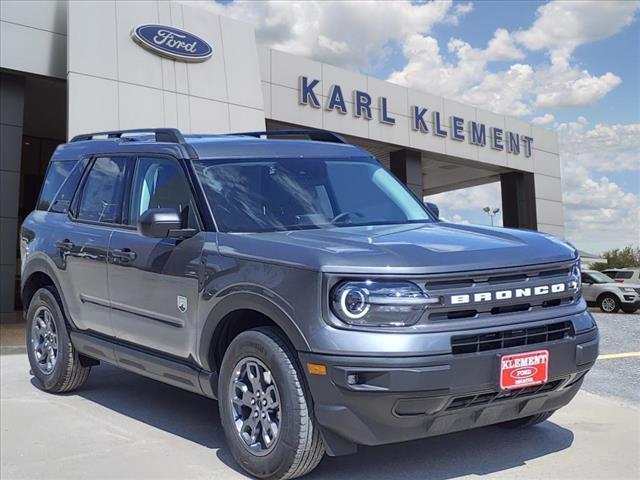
(481, 297)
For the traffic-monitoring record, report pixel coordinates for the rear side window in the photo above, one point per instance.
(57, 173)
(624, 275)
(103, 191)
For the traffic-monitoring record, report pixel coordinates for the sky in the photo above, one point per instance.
(570, 66)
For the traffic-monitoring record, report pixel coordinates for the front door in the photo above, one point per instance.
(153, 283)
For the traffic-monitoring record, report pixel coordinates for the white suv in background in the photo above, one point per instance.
(624, 275)
(611, 296)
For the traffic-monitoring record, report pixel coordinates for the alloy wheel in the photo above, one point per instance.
(608, 304)
(44, 340)
(255, 405)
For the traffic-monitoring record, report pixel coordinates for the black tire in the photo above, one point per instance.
(67, 373)
(629, 309)
(608, 303)
(298, 447)
(526, 422)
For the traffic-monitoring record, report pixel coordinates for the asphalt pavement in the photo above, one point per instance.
(122, 426)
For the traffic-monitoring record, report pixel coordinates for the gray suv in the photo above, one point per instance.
(302, 286)
(602, 291)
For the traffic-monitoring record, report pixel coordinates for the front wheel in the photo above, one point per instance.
(629, 309)
(265, 412)
(609, 303)
(54, 362)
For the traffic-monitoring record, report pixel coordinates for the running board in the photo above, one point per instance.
(163, 369)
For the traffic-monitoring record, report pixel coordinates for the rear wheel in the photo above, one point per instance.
(54, 362)
(266, 413)
(527, 421)
(609, 303)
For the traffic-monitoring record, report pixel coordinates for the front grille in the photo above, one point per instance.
(637, 290)
(498, 396)
(464, 295)
(462, 344)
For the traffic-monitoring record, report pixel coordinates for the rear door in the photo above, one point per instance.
(153, 282)
(83, 242)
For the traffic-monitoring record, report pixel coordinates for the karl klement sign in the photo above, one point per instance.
(478, 133)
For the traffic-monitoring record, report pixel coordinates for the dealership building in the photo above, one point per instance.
(75, 67)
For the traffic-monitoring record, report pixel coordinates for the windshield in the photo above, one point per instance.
(298, 193)
(600, 277)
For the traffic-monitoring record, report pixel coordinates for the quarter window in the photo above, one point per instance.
(103, 191)
(57, 173)
(160, 183)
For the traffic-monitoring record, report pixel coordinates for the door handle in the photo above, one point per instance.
(65, 244)
(125, 254)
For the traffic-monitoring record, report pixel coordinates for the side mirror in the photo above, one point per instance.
(161, 223)
(433, 208)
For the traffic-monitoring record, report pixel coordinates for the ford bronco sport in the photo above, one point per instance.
(302, 286)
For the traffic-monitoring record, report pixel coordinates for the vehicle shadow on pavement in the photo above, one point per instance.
(176, 411)
(195, 418)
(475, 452)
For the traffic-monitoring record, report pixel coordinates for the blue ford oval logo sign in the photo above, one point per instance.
(172, 42)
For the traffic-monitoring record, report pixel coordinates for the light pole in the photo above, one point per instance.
(491, 212)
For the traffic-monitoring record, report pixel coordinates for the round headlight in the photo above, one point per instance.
(354, 302)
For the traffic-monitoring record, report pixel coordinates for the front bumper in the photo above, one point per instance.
(380, 400)
(630, 301)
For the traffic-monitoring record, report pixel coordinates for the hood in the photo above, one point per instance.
(399, 249)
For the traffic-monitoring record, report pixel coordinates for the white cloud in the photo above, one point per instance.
(599, 214)
(346, 34)
(505, 92)
(561, 26)
(459, 219)
(518, 90)
(521, 88)
(602, 148)
(545, 119)
(570, 87)
(503, 47)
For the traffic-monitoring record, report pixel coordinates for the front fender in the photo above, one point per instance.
(244, 300)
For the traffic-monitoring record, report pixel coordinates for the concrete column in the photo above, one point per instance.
(11, 121)
(407, 166)
(518, 200)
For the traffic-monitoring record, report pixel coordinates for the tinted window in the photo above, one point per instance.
(160, 183)
(57, 173)
(624, 275)
(596, 277)
(65, 194)
(103, 190)
(295, 193)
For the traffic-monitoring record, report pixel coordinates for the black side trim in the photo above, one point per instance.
(165, 320)
(166, 370)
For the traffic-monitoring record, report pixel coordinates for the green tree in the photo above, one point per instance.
(619, 258)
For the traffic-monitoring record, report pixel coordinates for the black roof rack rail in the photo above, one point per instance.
(170, 135)
(316, 135)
